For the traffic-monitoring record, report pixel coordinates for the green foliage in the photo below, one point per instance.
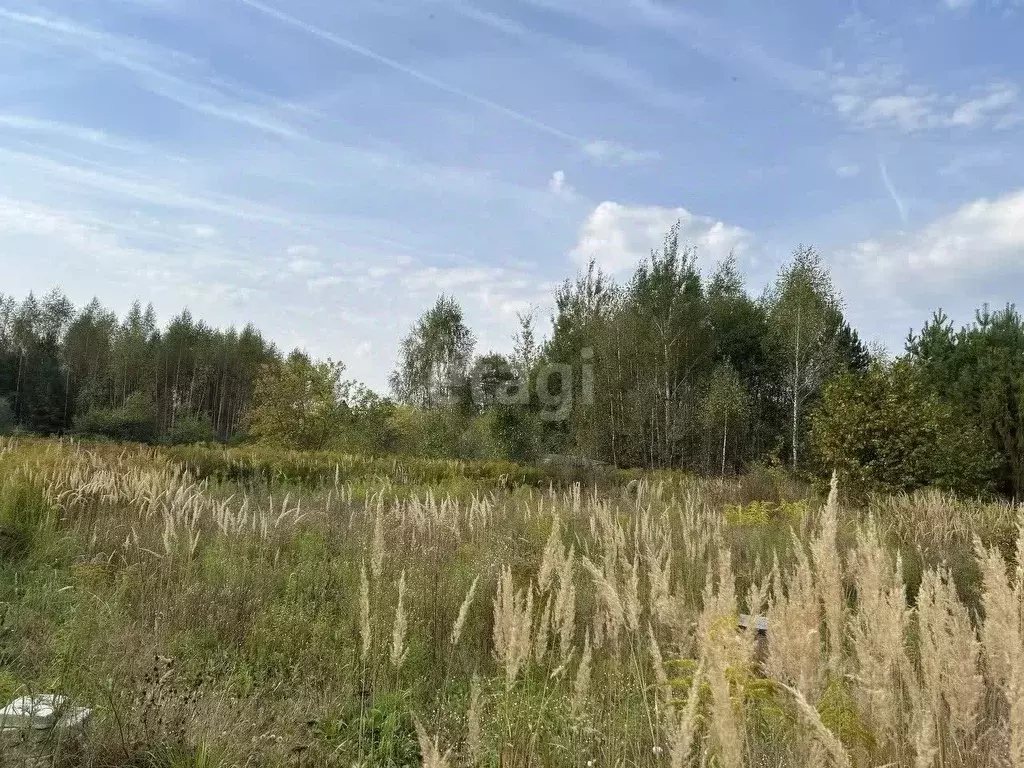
(434, 358)
(191, 429)
(840, 714)
(262, 465)
(26, 518)
(297, 405)
(58, 364)
(134, 421)
(725, 403)
(477, 440)
(368, 425)
(979, 371)
(758, 513)
(435, 432)
(9, 685)
(381, 730)
(515, 430)
(665, 370)
(805, 319)
(6, 417)
(886, 430)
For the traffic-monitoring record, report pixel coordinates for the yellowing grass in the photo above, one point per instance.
(361, 619)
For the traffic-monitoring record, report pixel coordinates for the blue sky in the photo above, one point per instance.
(325, 169)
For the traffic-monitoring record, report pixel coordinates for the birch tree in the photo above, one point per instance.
(725, 404)
(434, 358)
(805, 319)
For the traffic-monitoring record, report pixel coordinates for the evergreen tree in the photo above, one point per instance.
(885, 430)
(980, 371)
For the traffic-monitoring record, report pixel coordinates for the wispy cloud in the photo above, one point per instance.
(879, 95)
(613, 153)
(420, 76)
(998, 98)
(891, 189)
(145, 62)
(608, 69)
(34, 127)
(727, 45)
(302, 165)
(415, 74)
(560, 186)
(202, 231)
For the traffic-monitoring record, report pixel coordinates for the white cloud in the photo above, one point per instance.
(201, 231)
(999, 97)
(848, 171)
(449, 279)
(880, 99)
(145, 62)
(559, 186)
(955, 5)
(612, 153)
(864, 102)
(617, 237)
(37, 126)
(982, 243)
(958, 262)
(320, 283)
(593, 62)
(304, 266)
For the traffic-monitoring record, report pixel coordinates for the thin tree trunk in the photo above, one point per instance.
(17, 389)
(796, 388)
(725, 438)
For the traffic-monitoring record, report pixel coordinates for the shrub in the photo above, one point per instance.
(765, 512)
(477, 441)
(134, 421)
(25, 517)
(885, 431)
(6, 417)
(515, 430)
(189, 430)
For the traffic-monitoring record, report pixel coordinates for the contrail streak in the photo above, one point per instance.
(892, 190)
(422, 77)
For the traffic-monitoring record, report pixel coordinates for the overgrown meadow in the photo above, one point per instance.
(243, 607)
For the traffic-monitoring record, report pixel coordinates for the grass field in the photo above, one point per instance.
(249, 608)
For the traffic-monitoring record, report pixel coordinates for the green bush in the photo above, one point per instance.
(477, 440)
(6, 417)
(437, 433)
(884, 430)
(189, 430)
(25, 517)
(516, 432)
(133, 422)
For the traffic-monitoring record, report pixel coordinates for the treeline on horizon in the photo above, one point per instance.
(670, 369)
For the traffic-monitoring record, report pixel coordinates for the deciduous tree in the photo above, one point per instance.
(297, 404)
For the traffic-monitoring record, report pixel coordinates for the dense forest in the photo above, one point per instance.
(670, 369)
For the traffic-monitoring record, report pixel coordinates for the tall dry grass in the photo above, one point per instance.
(350, 623)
